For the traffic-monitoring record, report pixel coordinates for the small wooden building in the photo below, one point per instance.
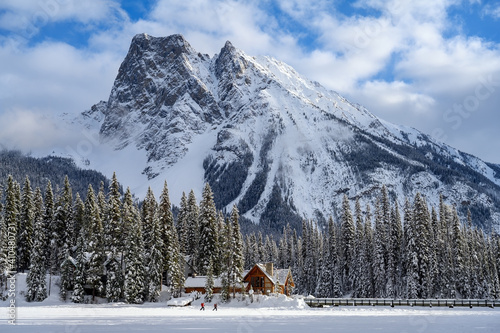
(264, 279)
(198, 283)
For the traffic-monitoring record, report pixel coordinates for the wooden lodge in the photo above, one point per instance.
(264, 279)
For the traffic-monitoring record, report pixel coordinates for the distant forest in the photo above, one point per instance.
(41, 170)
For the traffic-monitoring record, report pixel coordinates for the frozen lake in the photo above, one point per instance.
(158, 318)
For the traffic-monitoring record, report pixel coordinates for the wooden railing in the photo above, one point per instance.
(320, 302)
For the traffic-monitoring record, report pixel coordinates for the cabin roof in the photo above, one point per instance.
(279, 275)
(201, 281)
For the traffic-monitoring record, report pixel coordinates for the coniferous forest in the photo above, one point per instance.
(106, 244)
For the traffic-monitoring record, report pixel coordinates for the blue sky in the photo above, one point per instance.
(430, 64)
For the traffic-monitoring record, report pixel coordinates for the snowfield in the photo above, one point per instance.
(268, 315)
(265, 314)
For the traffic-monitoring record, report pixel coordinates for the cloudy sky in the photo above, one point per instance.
(430, 64)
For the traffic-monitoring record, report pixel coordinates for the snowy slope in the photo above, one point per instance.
(266, 138)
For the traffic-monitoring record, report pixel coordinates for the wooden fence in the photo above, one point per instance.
(320, 302)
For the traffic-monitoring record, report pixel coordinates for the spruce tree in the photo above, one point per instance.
(62, 228)
(173, 260)
(134, 285)
(25, 235)
(238, 261)
(227, 264)
(379, 262)
(95, 245)
(348, 243)
(78, 295)
(11, 220)
(78, 220)
(367, 282)
(182, 225)
(209, 285)
(208, 232)
(192, 223)
(153, 247)
(36, 280)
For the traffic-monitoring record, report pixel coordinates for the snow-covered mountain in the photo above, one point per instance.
(278, 145)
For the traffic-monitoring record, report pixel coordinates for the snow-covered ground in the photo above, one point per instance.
(160, 318)
(265, 314)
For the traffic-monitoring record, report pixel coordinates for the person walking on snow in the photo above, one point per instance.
(202, 307)
(215, 307)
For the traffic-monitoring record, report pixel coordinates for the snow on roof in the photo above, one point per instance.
(279, 275)
(201, 281)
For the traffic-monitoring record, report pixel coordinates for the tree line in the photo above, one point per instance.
(111, 246)
(420, 252)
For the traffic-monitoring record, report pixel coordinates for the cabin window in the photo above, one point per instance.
(257, 281)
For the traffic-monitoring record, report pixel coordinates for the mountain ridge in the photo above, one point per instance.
(268, 139)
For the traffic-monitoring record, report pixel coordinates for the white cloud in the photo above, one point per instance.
(400, 64)
(29, 130)
(25, 18)
(492, 10)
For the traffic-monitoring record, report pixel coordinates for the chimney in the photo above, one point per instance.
(269, 268)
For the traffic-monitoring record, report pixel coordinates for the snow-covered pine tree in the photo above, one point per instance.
(238, 260)
(460, 255)
(359, 258)
(368, 279)
(153, 247)
(192, 223)
(113, 227)
(62, 227)
(95, 246)
(226, 260)
(348, 243)
(114, 242)
(114, 282)
(78, 213)
(67, 281)
(182, 225)
(208, 232)
(395, 252)
(379, 264)
(283, 250)
(333, 260)
(495, 284)
(209, 285)
(324, 280)
(173, 260)
(36, 289)
(78, 295)
(134, 254)
(25, 234)
(102, 204)
(411, 257)
(11, 220)
(308, 282)
(434, 253)
(48, 218)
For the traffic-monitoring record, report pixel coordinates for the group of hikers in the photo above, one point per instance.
(203, 307)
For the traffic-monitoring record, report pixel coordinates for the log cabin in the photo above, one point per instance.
(264, 279)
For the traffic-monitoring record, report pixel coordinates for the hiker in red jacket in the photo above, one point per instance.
(202, 306)
(215, 307)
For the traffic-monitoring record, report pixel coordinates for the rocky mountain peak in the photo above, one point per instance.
(267, 139)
